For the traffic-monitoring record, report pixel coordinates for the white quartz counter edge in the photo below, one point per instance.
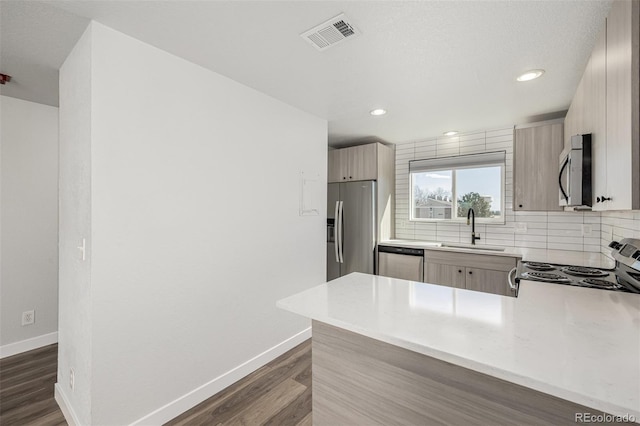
(563, 257)
(292, 304)
(489, 370)
(483, 368)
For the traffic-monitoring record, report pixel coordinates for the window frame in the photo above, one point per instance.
(466, 162)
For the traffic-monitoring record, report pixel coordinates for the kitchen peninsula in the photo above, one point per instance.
(395, 351)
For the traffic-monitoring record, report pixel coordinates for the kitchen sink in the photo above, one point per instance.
(472, 247)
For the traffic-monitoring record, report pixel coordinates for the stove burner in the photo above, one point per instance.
(598, 283)
(546, 277)
(581, 271)
(537, 266)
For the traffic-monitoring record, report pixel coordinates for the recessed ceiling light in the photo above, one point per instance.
(451, 133)
(530, 75)
(378, 111)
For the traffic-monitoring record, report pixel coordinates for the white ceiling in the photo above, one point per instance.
(434, 65)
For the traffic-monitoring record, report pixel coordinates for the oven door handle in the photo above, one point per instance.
(510, 280)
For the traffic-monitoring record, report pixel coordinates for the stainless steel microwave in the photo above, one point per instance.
(574, 177)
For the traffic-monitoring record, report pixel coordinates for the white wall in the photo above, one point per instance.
(195, 225)
(548, 230)
(75, 335)
(29, 221)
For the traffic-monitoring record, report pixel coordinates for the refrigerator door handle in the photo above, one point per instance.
(340, 231)
(337, 239)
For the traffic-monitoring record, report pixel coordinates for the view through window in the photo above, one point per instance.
(445, 189)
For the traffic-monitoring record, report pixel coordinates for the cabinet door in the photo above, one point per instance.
(597, 117)
(449, 275)
(337, 166)
(621, 73)
(536, 155)
(577, 112)
(362, 162)
(570, 124)
(488, 281)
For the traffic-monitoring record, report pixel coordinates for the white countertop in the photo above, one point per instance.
(579, 344)
(563, 257)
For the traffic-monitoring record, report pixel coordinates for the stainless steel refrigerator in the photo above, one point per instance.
(351, 228)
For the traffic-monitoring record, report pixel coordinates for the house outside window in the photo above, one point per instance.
(444, 189)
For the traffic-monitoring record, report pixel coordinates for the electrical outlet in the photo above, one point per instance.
(520, 227)
(28, 317)
(587, 230)
(72, 378)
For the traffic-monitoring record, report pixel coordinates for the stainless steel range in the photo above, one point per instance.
(624, 277)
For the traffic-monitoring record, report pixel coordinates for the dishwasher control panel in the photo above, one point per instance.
(401, 250)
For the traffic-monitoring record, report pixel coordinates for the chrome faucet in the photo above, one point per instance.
(471, 220)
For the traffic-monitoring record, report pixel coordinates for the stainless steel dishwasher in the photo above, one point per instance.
(401, 262)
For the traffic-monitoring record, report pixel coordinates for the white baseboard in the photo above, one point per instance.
(28, 344)
(65, 407)
(196, 396)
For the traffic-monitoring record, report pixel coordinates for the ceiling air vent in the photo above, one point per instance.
(330, 33)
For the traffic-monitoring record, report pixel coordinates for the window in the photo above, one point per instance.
(446, 188)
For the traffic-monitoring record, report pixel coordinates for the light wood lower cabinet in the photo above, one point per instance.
(488, 281)
(449, 275)
(469, 271)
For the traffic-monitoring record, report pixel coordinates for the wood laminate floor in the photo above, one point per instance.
(277, 394)
(26, 388)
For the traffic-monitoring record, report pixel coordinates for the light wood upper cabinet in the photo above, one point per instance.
(362, 162)
(536, 153)
(587, 113)
(359, 162)
(373, 161)
(596, 119)
(606, 105)
(623, 149)
(335, 161)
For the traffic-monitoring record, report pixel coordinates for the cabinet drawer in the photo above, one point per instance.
(497, 263)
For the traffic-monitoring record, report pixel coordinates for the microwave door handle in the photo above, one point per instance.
(564, 166)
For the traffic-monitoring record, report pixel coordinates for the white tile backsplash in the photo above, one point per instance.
(581, 231)
(618, 225)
